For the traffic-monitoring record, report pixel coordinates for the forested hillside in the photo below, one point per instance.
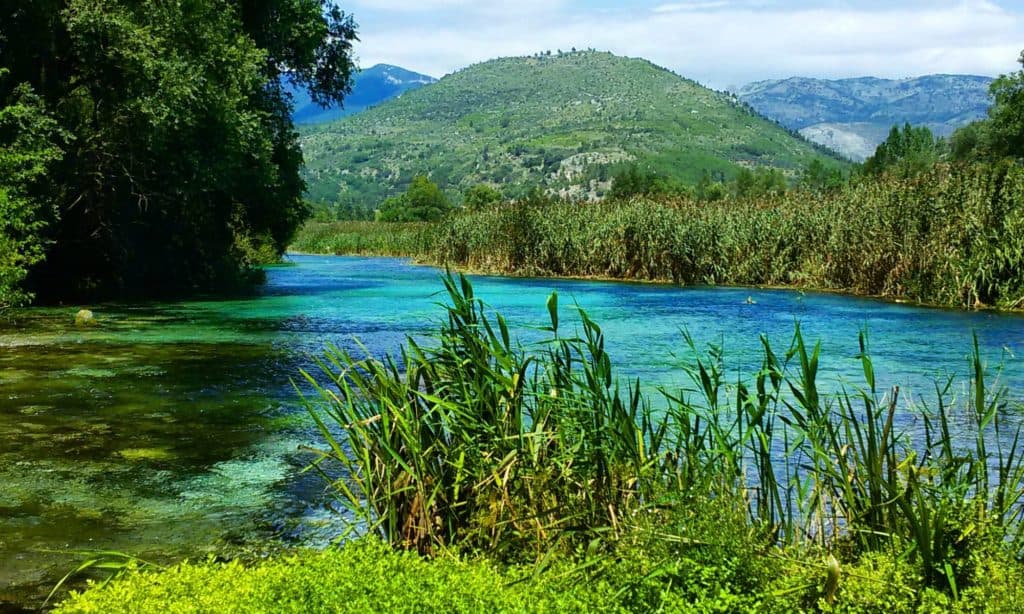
(563, 123)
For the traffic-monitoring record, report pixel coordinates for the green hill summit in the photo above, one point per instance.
(564, 122)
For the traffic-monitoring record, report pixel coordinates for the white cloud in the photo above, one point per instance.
(717, 42)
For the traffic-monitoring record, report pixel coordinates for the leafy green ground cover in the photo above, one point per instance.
(371, 577)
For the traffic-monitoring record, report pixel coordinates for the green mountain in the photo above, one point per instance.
(370, 87)
(852, 116)
(565, 122)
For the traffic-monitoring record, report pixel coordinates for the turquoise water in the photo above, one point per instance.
(172, 430)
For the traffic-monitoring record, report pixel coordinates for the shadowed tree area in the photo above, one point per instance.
(172, 164)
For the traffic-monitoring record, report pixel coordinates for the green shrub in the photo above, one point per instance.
(361, 577)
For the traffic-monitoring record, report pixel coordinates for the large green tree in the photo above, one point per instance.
(181, 167)
(1006, 116)
(28, 145)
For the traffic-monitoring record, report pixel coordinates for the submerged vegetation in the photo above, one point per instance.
(530, 480)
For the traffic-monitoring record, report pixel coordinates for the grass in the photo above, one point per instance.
(951, 236)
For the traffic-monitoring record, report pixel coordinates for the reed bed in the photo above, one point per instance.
(472, 441)
(356, 238)
(952, 236)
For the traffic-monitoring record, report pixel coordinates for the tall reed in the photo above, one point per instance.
(953, 235)
(472, 440)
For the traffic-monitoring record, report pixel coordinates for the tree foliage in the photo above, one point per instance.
(423, 201)
(911, 149)
(181, 170)
(481, 196)
(759, 182)
(1002, 134)
(1006, 117)
(633, 181)
(27, 148)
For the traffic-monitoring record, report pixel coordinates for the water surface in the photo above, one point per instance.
(172, 430)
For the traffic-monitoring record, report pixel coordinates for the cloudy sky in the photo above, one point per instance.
(721, 43)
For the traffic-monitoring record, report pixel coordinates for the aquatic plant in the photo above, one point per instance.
(473, 441)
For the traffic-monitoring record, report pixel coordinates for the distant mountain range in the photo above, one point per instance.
(563, 122)
(852, 116)
(371, 87)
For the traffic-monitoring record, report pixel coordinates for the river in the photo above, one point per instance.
(172, 430)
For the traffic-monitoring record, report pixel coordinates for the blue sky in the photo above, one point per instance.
(722, 43)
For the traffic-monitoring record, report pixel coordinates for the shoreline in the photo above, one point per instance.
(417, 261)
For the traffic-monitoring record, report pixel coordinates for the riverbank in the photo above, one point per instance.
(949, 237)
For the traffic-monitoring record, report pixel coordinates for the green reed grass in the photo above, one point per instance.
(474, 441)
(364, 239)
(953, 235)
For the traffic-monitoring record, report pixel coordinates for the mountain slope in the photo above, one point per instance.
(854, 115)
(371, 87)
(561, 122)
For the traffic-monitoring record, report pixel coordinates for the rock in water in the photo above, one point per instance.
(85, 318)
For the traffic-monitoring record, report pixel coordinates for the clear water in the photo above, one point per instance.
(172, 430)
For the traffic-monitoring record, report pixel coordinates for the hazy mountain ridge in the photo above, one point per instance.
(371, 87)
(854, 115)
(560, 122)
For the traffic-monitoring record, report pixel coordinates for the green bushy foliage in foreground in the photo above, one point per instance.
(368, 576)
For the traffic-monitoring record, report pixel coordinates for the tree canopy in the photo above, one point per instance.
(179, 165)
(27, 149)
(423, 201)
(912, 148)
(1000, 136)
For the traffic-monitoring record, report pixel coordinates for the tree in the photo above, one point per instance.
(480, 197)
(1006, 116)
(423, 201)
(632, 181)
(819, 178)
(181, 169)
(28, 146)
(910, 150)
(761, 182)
